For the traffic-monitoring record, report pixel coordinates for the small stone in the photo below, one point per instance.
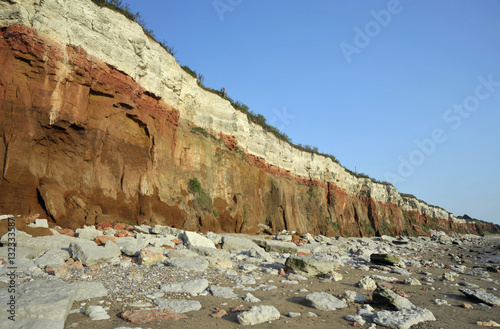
(467, 306)
(190, 287)
(412, 282)
(441, 302)
(219, 313)
(293, 314)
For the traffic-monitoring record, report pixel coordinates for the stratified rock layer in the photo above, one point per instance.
(83, 142)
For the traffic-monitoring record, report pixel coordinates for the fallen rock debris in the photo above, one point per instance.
(153, 274)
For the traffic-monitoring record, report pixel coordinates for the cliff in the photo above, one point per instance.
(100, 123)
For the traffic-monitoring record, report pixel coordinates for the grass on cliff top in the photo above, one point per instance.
(256, 118)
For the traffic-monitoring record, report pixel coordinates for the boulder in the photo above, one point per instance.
(40, 304)
(90, 254)
(389, 297)
(189, 287)
(323, 301)
(52, 257)
(223, 292)
(277, 246)
(193, 239)
(404, 318)
(481, 296)
(310, 265)
(188, 264)
(87, 290)
(88, 233)
(385, 259)
(258, 314)
(236, 243)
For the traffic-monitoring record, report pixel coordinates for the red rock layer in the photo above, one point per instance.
(83, 143)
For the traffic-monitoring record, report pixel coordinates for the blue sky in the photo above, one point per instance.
(404, 91)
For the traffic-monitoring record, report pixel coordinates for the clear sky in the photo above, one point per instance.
(404, 91)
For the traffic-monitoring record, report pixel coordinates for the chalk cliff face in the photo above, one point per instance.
(99, 123)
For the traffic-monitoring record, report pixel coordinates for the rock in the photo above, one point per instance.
(87, 290)
(53, 257)
(487, 323)
(215, 238)
(181, 253)
(96, 313)
(243, 279)
(404, 318)
(143, 316)
(389, 297)
(20, 236)
(277, 246)
(310, 265)
(258, 314)
(219, 313)
(249, 298)
(293, 314)
(467, 306)
(449, 276)
(178, 305)
(150, 256)
(233, 243)
(101, 240)
(355, 318)
(88, 233)
(412, 282)
(189, 287)
(367, 283)
(481, 296)
(223, 292)
(40, 223)
(142, 229)
(353, 297)
(90, 254)
(192, 239)
(441, 302)
(188, 264)
(323, 301)
(384, 259)
(210, 252)
(60, 271)
(40, 304)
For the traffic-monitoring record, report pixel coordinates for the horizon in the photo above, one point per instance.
(401, 91)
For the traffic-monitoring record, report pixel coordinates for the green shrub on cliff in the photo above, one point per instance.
(202, 200)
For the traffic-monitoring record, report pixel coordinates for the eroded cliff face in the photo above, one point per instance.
(89, 138)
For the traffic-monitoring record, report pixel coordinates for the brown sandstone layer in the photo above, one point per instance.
(83, 143)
